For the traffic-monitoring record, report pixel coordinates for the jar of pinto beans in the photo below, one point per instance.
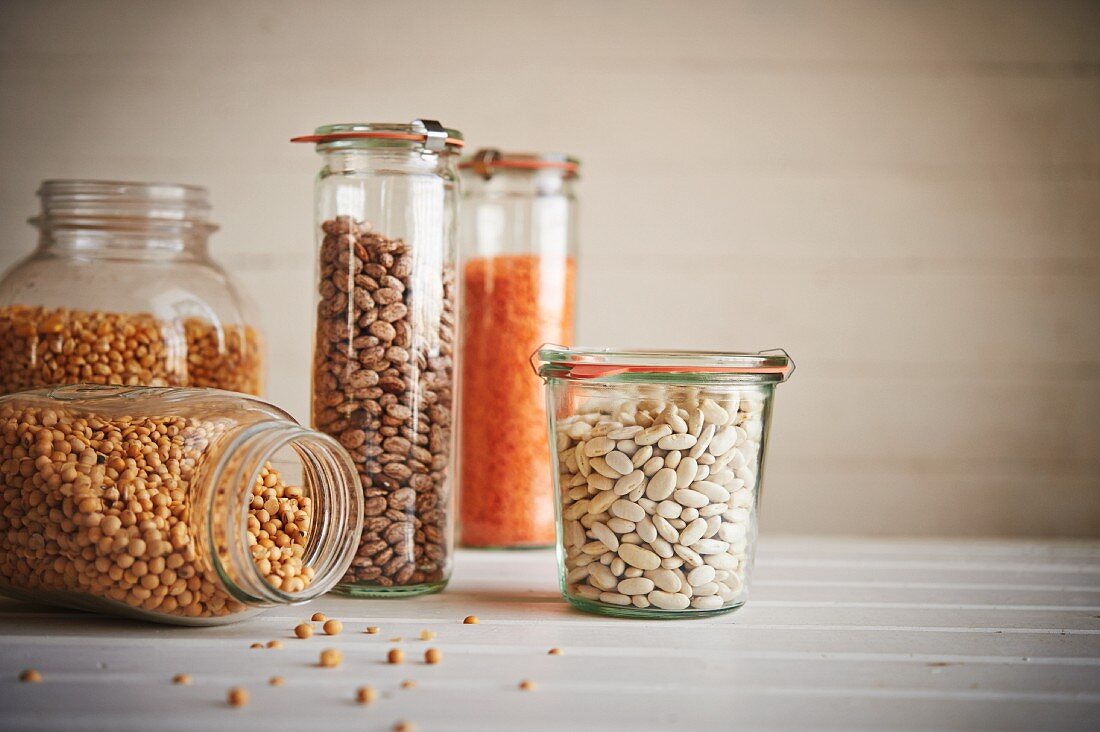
(121, 290)
(183, 506)
(384, 349)
(519, 243)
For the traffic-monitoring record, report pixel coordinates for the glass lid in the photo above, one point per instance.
(773, 365)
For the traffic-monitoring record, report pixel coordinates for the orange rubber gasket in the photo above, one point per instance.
(411, 136)
(521, 164)
(595, 370)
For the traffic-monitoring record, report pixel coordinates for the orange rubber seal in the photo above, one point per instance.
(409, 136)
(522, 164)
(596, 371)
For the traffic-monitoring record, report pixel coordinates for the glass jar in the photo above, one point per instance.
(121, 290)
(179, 505)
(659, 462)
(519, 233)
(383, 359)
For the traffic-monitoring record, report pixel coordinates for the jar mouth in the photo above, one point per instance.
(562, 362)
(123, 204)
(327, 476)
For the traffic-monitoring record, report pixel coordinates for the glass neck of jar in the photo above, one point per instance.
(123, 220)
(328, 478)
(106, 242)
(385, 159)
(520, 183)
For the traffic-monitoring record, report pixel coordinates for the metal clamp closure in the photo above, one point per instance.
(482, 162)
(435, 136)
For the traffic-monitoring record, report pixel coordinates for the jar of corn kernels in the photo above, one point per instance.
(179, 505)
(121, 290)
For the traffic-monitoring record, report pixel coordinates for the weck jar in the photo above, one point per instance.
(178, 505)
(384, 349)
(659, 460)
(519, 245)
(121, 290)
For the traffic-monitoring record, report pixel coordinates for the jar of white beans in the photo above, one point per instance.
(658, 466)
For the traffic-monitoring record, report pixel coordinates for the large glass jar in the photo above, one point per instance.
(519, 242)
(180, 505)
(121, 290)
(383, 359)
(659, 463)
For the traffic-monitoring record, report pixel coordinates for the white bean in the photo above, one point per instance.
(618, 462)
(714, 492)
(665, 579)
(669, 509)
(614, 598)
(690, 498)
(668, 600)
(723, 440)
(692, 533)
(626, 510)
(620, 526)
(639, 557)
(637, 586)
(653, 465)
(700, 575)
(665, 529)
(646, 530)
(710, 546)
(606, 535)
(710, 602)
(685, 472)
(651, 435)
(599, 446)
(628, 482)
(676, 442)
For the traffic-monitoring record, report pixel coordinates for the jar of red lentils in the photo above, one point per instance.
(179, 505)
(519, 243)
(121, 290)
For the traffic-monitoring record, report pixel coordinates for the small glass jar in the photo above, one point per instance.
(179, 505)
(121, 290)
(519, 233)
(384, 354)
(659, 462)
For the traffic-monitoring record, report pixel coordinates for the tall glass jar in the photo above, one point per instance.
(179, 505)
(383, 359)
(121, 290)
(519, 240)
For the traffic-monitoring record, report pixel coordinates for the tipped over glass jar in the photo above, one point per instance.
(184, 506)
(659, 462)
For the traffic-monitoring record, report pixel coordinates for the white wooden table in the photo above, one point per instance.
(838, 634)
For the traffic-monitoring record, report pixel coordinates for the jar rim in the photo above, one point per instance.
(418, 134)
(579, 363)
(487, 160)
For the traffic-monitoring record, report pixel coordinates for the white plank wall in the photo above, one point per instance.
(905, 195)
(838, 634)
